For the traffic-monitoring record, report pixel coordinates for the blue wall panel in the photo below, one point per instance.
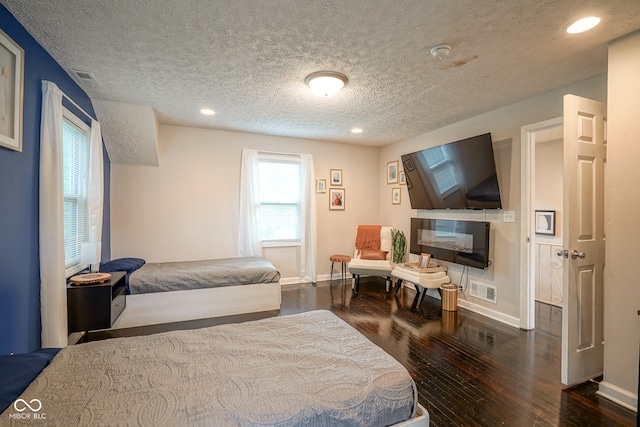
(19, 258)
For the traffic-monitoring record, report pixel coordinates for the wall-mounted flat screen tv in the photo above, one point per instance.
(458, 175)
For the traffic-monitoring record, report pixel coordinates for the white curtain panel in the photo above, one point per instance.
(96, 188)
(53, 290)
(249, 242)
(308, 226)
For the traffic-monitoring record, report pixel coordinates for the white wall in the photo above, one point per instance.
(187, 208)
(622, 202)
(548, 186)
(504, 125)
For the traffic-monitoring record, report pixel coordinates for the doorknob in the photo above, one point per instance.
(575, 254)
(562, 253)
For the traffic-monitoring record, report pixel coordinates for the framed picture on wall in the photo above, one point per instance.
(396, 196)
(392, 172)
(11, 89)
(336, 199)
(402, 178)
(336, 177)
(321, 185)
(546, 222)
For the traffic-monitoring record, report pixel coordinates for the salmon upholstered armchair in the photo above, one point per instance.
(372, 255)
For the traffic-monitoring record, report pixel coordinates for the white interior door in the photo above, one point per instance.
(583, 239)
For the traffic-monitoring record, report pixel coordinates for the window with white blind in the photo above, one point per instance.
(75, 161)
(279, 193)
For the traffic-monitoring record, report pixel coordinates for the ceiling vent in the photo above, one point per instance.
(85, 78)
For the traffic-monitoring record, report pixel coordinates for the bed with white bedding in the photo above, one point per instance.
(179, 291)
(308, 369)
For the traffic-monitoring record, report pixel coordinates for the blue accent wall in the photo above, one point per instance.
(19, 186)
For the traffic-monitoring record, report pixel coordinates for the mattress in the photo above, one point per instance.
(308, 369)
(176, 276)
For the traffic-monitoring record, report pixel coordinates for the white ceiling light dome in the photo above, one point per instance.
(326, 83)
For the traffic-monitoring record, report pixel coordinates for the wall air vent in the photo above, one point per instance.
(85, 78)
(484, 292)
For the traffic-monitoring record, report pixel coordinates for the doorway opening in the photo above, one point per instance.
(541, 219)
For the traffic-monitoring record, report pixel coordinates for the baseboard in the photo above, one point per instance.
(319, 278)
(487, 312)
(618, 395)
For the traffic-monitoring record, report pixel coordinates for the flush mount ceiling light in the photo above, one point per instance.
(440, 51)
(582, 25)
(356, 130)
(207, 112)
(326, 83)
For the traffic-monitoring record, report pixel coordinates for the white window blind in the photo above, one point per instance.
(75, 152)
(279, 190)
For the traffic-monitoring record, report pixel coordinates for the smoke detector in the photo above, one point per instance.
(440, 51)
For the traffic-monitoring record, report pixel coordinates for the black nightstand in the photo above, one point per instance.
(96, 306)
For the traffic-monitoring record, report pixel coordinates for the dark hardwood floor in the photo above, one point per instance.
(469, 370)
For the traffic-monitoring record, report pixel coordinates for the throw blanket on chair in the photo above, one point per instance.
(368, 237)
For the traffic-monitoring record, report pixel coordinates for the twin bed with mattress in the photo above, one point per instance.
(306, 369)
(178, 291)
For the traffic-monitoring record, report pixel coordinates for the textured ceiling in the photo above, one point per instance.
(247, 60)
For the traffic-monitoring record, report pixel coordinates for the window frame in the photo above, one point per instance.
(281, 158)
(71, 118)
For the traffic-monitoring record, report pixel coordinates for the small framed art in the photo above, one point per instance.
(336, 177)
(336, 199)
(546, 222)
(396, 196)
(402, 178)
(424, 260)
(392, 172)
(321, 185)
(11, 84)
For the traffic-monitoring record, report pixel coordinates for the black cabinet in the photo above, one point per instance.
(96, 306)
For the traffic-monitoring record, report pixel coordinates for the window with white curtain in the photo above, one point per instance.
(75, 161)
(279, 198)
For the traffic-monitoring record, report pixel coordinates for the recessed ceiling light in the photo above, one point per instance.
(326, 83)
(356, 130)
(582, 25)
(207, 112)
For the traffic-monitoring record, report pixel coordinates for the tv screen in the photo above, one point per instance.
(458, 175)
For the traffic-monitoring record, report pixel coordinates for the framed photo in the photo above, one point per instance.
(392, 172)
(396, 196)
(408, 165)
(336, 199)
(546, 222)
(336, 177)
(11, 90)
(321, 185)
(424, 260)
(402, 178)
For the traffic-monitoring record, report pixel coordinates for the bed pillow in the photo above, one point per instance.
(372, 254)
(122, 264)
(19, 370)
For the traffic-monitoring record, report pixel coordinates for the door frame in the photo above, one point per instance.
(527, 190)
